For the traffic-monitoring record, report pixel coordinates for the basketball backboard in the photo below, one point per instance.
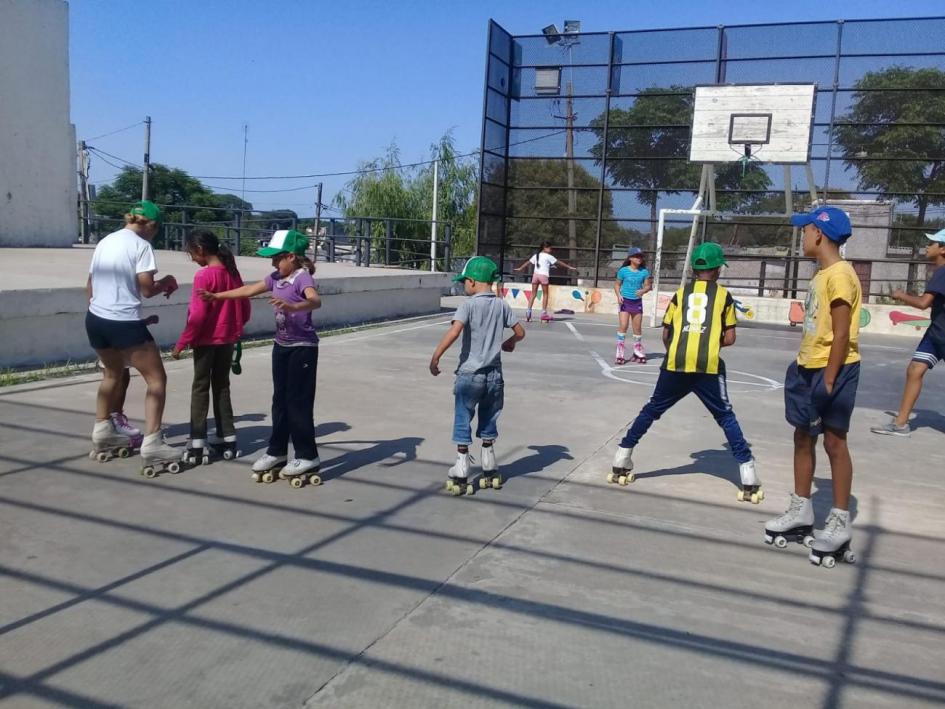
(770, 123)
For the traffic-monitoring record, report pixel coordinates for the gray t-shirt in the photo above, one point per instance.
(484, 319)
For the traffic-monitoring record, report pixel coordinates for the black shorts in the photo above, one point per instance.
(808, 406)
(115, 334)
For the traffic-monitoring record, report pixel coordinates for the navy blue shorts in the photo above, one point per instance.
(928, 351)
(808, 406)
(115, 334)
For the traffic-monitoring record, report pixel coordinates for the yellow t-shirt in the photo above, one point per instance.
(836, 282)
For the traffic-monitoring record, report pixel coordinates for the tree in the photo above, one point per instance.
(898, 113)
(648, 150)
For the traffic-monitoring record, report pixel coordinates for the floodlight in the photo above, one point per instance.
(572, 26)
(548, 81)
(552, 36)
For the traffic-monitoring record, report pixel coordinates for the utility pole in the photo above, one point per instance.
(245, 143)
(85, 226)
(436, 185)
(318, 216)
(147, 157)
(572, 197)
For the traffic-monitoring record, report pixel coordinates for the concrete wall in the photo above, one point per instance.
(37, 141)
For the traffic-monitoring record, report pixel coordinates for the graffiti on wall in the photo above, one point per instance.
(919, 322)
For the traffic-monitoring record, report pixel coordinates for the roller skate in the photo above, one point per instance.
(623, 464)
(225, 447)
(546, 317)
(158, 457)
(621, 356)
(121, 424)
(795, 525)
(107, 443)
(196, 453)
(751, 485)
(528, 315)
(490, 471)
(832, 543)
(457, 480)
(639, 354)
(266, 466)
(300, 471)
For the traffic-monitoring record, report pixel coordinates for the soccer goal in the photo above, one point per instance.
(760, 123)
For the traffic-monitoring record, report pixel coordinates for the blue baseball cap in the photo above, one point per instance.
(938, 237)
(634, 251)
(832, 221)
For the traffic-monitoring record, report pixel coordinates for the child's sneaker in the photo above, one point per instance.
(891, 429)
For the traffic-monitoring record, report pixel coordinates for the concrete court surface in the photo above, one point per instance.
(377, 589)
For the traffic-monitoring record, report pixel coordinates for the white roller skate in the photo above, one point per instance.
(621, 356)
(623, 464)
(124, 427)
(795, 525)
(528, 315)
(298, 471)
(751, 484)
(107, 443)
(158, 457)
(490, 471)
(832, 543)
(457, 480)
(546, 317)
(196, 453)
(639, 353)
(265, 467)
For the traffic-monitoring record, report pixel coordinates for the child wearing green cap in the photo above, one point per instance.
(699, 322)
(479, 387)
(294, 359)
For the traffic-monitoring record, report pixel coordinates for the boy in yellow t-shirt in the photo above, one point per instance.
(820, 389)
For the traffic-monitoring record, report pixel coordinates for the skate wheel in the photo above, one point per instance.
(268, 477)
(622, 480)
(297, 482)
(849, 557)
(228, 455)
(206, 460)
(123, 452)
(780, 542)
(257, 478)
(761, 495)
(611, 478)
(455, 489)
(740, 496)
(148, 472)
(314, 479)
(755, 498)
(483, 483)
(808, 540)
(497, 482)
(470, 489)
(102, 457)
(829, 562)
(173, 468)
(449, 486)
(814, 559)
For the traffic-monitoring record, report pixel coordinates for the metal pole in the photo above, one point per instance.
(245, 143)
(388, 236)
(147, 157)
(603, 161)
(85, 226)
(436, 185)
(572, 197)
(657, 264)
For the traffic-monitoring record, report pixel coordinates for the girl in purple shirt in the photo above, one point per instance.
(294, 359)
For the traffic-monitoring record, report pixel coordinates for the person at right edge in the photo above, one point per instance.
(820, 389)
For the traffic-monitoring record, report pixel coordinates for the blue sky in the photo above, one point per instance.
(324, 85)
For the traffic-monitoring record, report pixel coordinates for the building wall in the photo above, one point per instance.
(37, 141)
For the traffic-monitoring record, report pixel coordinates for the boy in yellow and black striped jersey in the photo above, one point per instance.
(699, 322)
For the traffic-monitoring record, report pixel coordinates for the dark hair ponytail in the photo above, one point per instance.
(304, 262)
(208, 242)
(541, 247)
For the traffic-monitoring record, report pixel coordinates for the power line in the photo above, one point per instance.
(101, 152)
(120, 130)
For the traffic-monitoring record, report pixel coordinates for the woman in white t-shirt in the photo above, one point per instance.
(121, 274)
(542, 260)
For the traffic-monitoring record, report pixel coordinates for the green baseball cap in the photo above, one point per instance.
(285, 241)
(707, 256)
(146, 209)
(479, 268)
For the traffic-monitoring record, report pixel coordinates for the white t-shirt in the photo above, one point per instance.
(116, 263)
(543, 263)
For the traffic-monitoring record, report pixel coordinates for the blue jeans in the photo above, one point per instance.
(483, 390)
(712, 392)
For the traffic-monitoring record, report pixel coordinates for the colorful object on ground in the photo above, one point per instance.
(917, 321)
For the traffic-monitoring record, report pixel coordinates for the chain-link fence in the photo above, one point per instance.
(585, 137)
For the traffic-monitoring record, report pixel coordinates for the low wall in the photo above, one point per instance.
(880, 319)
(46, 325)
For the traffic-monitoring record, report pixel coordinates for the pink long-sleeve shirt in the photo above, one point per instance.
(220, 322)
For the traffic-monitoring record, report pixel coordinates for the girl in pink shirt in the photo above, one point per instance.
(213, 329)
